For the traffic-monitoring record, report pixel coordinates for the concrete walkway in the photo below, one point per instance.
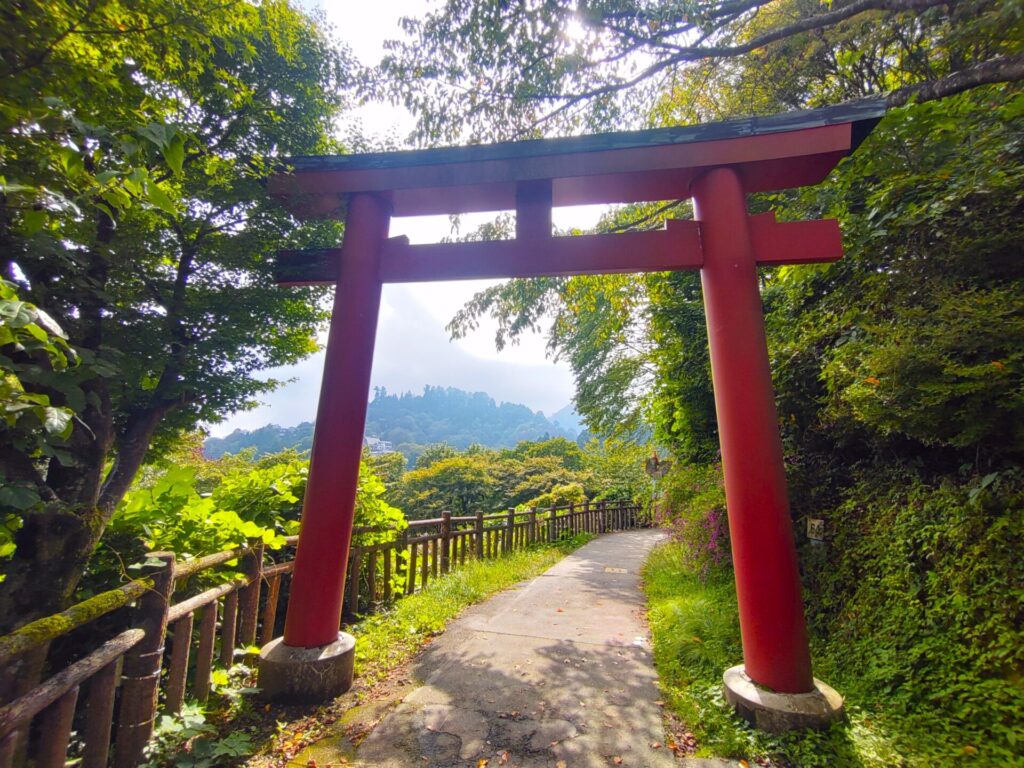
(557, 669)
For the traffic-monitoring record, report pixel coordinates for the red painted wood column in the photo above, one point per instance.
(318, 582)
(775, 650)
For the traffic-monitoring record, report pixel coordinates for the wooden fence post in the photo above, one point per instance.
(249, 599)
(533, 525)
(55, 730)
(371, 576)
(181, 646)
(140, 676)
(204, 652)
(551, 525)
(387, 553)
(588, 518)
(355, 562)
(408, 564)
(446, 540)
(229, 629)
(478, 534)
(510, 527)
(99, 714)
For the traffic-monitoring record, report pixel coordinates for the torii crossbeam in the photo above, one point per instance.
(717, 165)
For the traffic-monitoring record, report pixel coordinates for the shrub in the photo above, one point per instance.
(692, 506)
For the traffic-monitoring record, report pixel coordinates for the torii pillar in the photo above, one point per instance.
(715, 164)
(314, 661)
(775, 649)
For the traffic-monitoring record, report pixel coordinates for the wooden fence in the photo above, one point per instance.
(102, 708)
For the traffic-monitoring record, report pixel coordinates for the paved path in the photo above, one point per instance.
(557, 669)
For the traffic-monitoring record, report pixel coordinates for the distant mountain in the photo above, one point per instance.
(268, 439)
(410, 422)
(568, 419)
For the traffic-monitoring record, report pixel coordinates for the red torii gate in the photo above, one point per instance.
(716, 164)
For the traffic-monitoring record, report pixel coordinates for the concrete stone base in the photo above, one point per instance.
(291, 675)
(776, 712)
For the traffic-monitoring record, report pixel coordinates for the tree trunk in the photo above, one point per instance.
(53, 547)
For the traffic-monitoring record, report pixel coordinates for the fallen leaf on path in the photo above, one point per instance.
(655, 745)
(503, 759)
(482, 762)
(560, 764)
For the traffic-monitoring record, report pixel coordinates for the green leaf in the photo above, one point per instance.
(57, 421)
(174, 153)
(18, 497)
(70, 161)
(159, 198)
(36, 332)
(33, 220)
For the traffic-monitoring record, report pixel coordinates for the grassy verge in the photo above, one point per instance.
(240, 730)
(696, 637)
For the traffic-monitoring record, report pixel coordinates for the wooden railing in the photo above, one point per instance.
(102, 707)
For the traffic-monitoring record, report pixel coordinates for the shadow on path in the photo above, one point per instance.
(557, 669)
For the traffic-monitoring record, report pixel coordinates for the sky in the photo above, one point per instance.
(412, 347)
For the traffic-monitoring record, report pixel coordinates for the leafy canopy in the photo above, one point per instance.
(488, 69)
(134, 140)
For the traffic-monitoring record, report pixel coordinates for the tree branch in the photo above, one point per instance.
(1003, 69)
(644, 219)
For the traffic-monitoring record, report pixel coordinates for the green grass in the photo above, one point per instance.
(385, 640)
(696, 637)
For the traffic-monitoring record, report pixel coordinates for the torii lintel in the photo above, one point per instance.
(677, 246)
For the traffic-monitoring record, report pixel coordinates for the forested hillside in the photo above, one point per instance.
(412, 422)
(445, 414)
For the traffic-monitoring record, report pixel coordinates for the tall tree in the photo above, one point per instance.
(494, 69)
(135, 137)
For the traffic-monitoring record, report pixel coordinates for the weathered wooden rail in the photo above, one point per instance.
(102, 707)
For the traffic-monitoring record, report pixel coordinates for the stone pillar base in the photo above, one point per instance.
(291, 675)
(775, 712)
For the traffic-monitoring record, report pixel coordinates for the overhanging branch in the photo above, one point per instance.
(1003, 69)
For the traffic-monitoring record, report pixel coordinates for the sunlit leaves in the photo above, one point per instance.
(490, 69)
(907, 329)
(134, 142)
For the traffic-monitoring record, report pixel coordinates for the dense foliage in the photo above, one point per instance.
(495, 69)
(538, 474)
(134, 140)
(194, 506)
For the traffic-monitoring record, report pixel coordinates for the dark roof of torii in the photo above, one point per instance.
(774, 152)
